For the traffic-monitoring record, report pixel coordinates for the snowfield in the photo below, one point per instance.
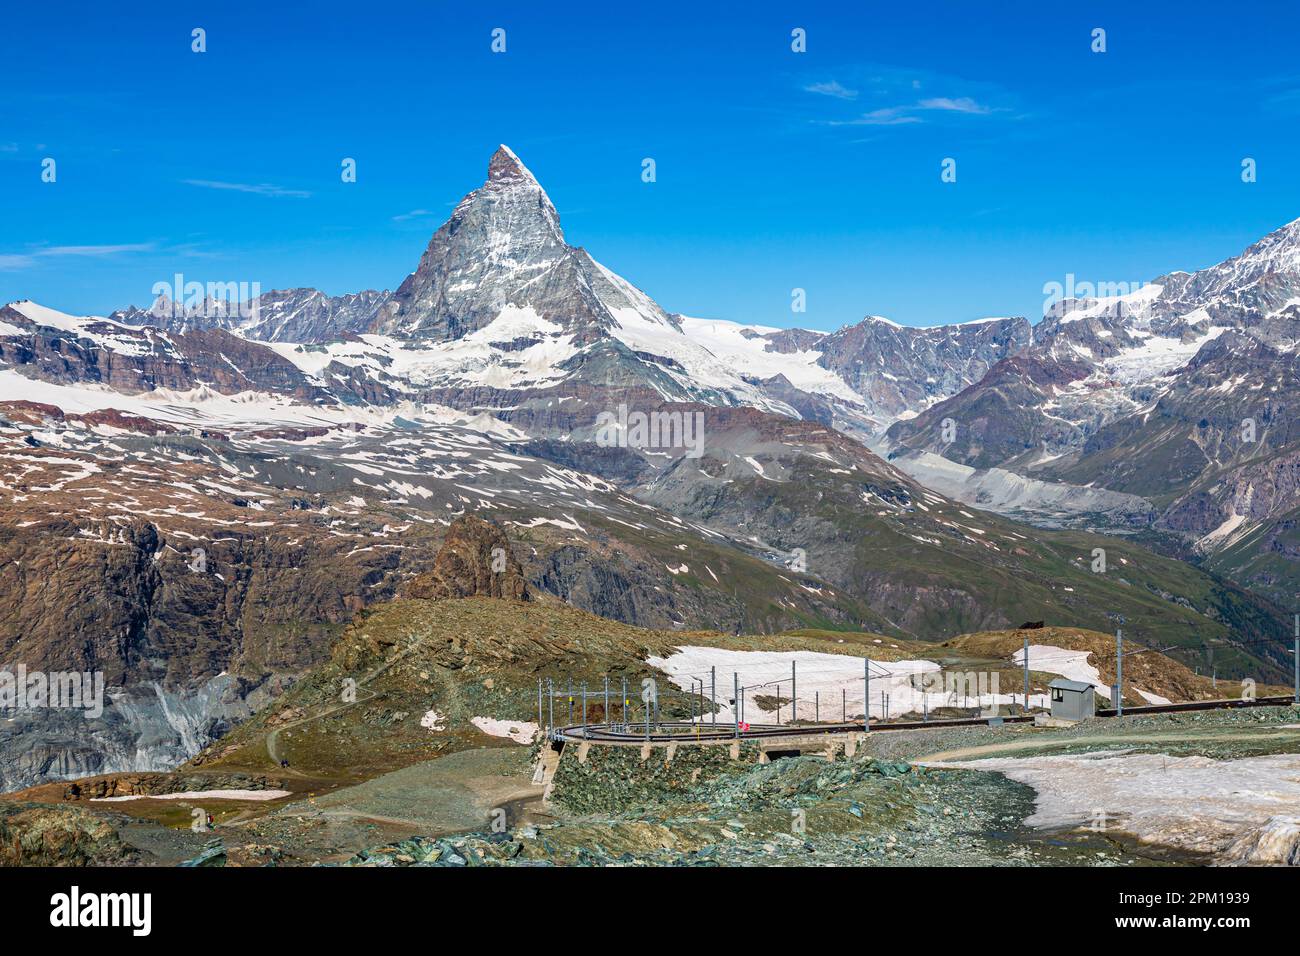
(897, 687)
(1072, 665)
(205, 408)
(1156, 356)
(728, 342)
(1234, 808)
(477, 359)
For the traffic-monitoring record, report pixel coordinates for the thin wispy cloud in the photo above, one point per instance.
(259, 189)
(962, 104)
(97, 251)
(904, 97)
(1285, 101)
(26, 260)
(413, 214)
(832, 88)
(891, 116)
(914, 113)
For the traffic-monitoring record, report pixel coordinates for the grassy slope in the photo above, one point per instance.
(1148, 669)
(483, 657)
(1264, 558)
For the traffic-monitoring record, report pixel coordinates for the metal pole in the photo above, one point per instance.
(624, 701)
(866, 694)
(1026, 675)
(817, 707)
(844, 706)
(1119, 672)
(713, 696)
(584, 708)
(778, 705)
(794, 695)
(550, 694)
(570, 700)
(735, 708)
(1296, 650)
(541, 717)
(605, 715)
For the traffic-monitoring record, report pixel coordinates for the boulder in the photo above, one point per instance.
(475, 561)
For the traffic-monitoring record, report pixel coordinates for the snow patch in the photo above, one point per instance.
(258, 795)
(520, 731)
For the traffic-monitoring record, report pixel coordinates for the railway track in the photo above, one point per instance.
(685, 732)
(1231, 704)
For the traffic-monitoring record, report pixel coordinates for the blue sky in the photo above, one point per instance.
(775, 169)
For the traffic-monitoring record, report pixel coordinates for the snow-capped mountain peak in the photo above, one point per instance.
(503, 246)
(506, 167)
(1279, 251)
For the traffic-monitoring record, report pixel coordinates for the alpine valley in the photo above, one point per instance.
(200, 498)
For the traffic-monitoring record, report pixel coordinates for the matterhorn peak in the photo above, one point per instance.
(505, 167)
(516, 196)
(503, 247)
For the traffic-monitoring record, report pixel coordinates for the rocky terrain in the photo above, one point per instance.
(415, 744)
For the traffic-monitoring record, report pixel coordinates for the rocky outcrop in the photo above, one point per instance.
(117, 786)
(475, 561)
(43, 835)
